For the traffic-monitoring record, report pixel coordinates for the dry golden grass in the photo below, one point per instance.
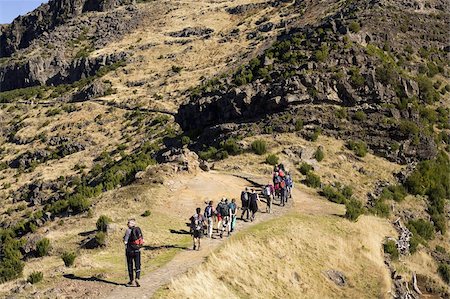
(287, 258)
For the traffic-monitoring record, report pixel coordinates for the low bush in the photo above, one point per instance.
(358, 147)
(360, 115)
(444, 272)
(185, 140)
(390, 247)
(272, 159)
(42, 247)
(100, 237)
(35, 277)
(11, 265)
(298, 125)
(421, 227)
(414, 243)
(319, 155)
(312, 180)
(354, 27)
(147, 213)
(353, 210)
(102, 223)
(259, 147)
(334, 195)
(380, 209)
(69, 258)
(305, 168)
(231, 146)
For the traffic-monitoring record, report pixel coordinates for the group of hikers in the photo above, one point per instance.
(224, 215)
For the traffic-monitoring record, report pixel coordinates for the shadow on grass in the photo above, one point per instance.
(164, 247)
(87, 233)
(180, 232)
(92, 278)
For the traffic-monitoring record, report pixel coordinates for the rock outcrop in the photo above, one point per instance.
(24, 29)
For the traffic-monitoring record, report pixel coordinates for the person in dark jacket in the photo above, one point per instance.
(253, 205)
(245, 202)
(133, 240)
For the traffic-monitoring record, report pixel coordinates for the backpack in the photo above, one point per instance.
(232, 207)
(224, 210)
(282, 184)
(136, 239)
(208, 211)
(197, 222)
(244, 196)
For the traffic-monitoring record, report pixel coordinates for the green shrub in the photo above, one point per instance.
(298, 125)
(427, 93)
(414, 243)
(102, 223)
(322, 54)
(312, 180)
(353, 209)
(315, 135)
(209, 154)
(341, 113)
(440, 249)
(319, 155)
(444, 272)
(386, 74)
(42, 247)
(259, 147)
(356, 79)
(390, 247)
(347, 191)
(272, 159)
(147, 213)
(231, 146)
(354, 27)
(11, 265)
(35, 277)
(408, 128)
(185, 140)
(421, 227)
(69, 258)
(305, 168)
(359, 147)
(380, 209)
(100, 237)
(332, 194)
(360, 115)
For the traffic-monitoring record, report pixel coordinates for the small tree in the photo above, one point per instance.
(312, 180)
(100, 237)
(42, 247)
(319, 155)
(272, 159)
(353, 209)
(305, 168)
(68, 258)
(35, 277)
(354, 27)
(390, 247)
(102, 223)
(259, 147)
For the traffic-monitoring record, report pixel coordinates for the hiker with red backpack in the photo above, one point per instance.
(133, 240)
(197, 223)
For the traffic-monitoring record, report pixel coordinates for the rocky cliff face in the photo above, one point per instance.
(25, 29)
(345, 64)
(47, 58)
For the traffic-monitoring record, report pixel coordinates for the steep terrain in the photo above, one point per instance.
(116, 107)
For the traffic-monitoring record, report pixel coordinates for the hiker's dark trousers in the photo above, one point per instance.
(245, 210)
(134, 256)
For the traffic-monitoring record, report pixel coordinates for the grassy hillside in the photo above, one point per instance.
(288, 257)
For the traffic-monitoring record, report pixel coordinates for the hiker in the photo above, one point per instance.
(283, 192)
(197, 223)
(253, 203)
(133, 240)
(209, 214)
(219, 215)
(245, 202)
(225, 212)
(289, 185)
(268, 192)
(233, 209)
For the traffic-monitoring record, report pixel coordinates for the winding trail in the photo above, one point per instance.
(182, 262)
